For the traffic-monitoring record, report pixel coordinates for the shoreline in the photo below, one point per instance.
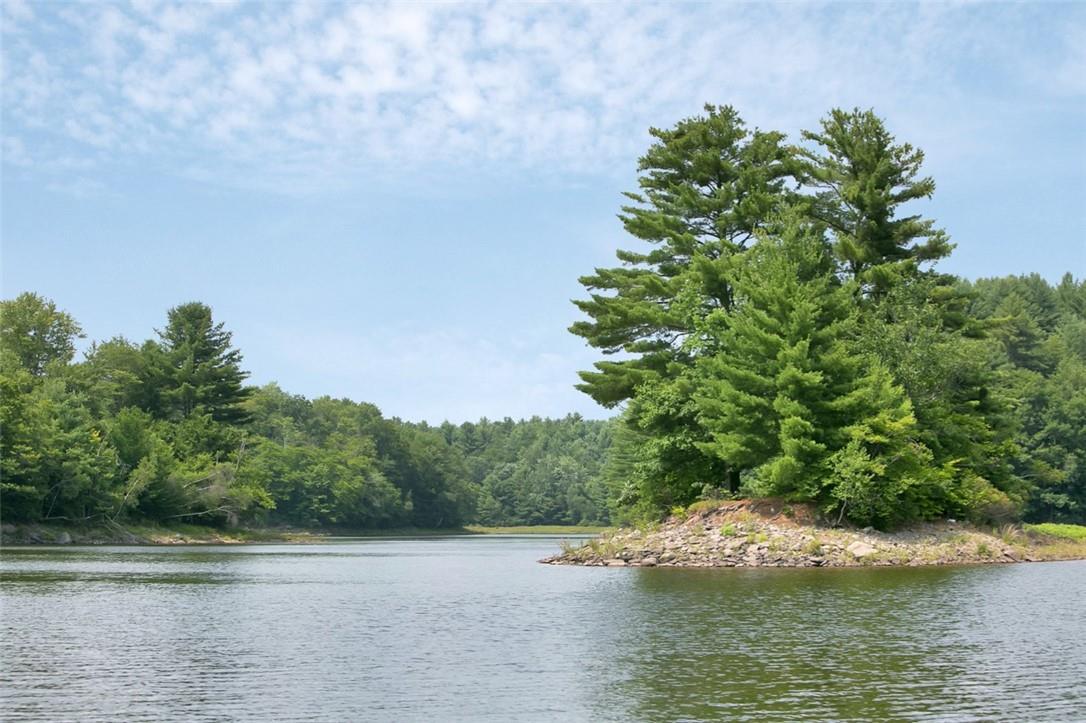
(770, 533)
(43, 534)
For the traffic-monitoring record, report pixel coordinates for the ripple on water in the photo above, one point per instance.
(474, 629)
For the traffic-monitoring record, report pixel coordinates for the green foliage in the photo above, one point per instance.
(164, 431)
(861, 179)
(766, 395)
(34, 334)
(706, 187)
(800, 345)
(1053, 529)
(537, 471)
(196, 370)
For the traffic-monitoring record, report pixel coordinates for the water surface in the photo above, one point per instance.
(473, 629)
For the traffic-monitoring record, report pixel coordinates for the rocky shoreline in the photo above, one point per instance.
(767, 533)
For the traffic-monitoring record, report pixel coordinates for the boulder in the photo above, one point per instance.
(648, 562)
(64, 539)
(616, 563)
(861, 549)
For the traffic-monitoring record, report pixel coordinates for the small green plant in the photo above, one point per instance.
(814, 547)
(983, 550)
(728, 530)
(788, 511)
(701, 507)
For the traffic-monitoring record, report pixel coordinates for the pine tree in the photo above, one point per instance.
(199, 372)
(707, 186)
(769, 395)
(863, 179)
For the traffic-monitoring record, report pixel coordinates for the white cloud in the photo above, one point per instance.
(332, 89)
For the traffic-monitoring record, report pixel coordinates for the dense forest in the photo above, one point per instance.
(782, 331)
(167, 431)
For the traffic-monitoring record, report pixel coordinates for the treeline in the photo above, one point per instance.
(784, 333)
(167, 430)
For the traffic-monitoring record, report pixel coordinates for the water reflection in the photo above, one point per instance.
(852, 644)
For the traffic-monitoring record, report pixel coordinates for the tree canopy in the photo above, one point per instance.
(786, 333)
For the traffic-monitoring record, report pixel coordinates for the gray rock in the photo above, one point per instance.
(64, 539)
(648, 562)
(616, 563)
(861, 549)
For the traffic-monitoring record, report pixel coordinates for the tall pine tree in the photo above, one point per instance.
(199, 371)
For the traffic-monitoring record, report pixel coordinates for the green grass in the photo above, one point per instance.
(1065, 532)
(537, 530)
(702, 506)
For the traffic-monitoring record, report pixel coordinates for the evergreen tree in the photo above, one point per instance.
(199, 372)
(770, 395)
(706, 186)
(862, 178)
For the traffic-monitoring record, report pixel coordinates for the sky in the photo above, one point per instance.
(393, 203)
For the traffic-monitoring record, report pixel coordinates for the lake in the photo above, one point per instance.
(473, 629)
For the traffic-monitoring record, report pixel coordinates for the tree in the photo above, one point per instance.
(862, 178)
(706, 186)
(198, 369)
(35, 333)
(770, 395)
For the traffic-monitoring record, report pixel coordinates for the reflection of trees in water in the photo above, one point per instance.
(789, 644)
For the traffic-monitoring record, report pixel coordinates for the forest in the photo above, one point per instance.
(168, 431)
(780, 331)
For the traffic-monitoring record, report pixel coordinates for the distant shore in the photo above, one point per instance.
(183, 534)
(766, 533)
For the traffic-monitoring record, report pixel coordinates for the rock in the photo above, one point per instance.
(7, 528)
(860, 549)
(616, 563)
(667, 557)
(64, 539)
(648, 562)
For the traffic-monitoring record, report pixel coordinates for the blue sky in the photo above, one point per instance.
(393, 202)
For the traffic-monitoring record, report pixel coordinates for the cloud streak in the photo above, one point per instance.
(304, 96)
